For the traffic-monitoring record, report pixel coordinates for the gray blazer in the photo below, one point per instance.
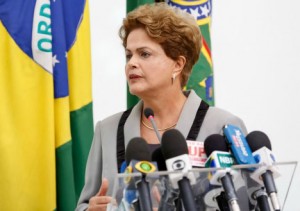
(102, 160)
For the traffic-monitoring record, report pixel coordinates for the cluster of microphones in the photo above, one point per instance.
(224, 152)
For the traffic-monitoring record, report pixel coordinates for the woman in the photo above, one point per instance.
(162, 44)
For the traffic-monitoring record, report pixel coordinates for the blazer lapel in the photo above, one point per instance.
(188, 113)
(132, 126)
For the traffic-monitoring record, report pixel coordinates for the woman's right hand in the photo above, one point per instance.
(100, 201)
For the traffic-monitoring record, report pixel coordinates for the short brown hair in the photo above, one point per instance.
(175, 30)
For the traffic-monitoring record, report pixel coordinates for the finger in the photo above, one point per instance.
(98, 200)
(104, 200)
(103, 188)
(101, 207)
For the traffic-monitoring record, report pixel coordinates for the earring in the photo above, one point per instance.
(173, 77)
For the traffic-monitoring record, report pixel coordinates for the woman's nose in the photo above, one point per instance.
(132, 62)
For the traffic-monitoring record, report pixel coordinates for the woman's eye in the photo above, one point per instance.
(145, 54)
(128, 56)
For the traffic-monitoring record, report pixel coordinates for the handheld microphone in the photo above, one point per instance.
(238, 145)
(138, 156)
(219, 157)
(148, 112)
(261, 146)
(175, 151)
(169, 195)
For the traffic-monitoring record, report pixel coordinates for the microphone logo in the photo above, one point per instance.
(178, 165)
(145, 167)
(238, 142)
(226, 160)
(219, 159)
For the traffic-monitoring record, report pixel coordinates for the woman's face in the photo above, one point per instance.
(148, 69)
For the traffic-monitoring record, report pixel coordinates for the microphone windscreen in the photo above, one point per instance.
(257, 140)
(148, 112)
(215, 142)
(173, 144)
(158, 157)
(137, 149)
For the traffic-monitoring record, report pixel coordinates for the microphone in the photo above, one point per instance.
(256, 193)
(261, 147)
(169, 196)
(219, 157)
(149, 114)
(238, 145)
(130, 195)
(138, 156)
(175, 152)
(158, 157)
(242, 152)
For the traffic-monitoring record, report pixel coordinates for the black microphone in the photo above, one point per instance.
(149, 114)
(138, 156)
(219, 157)
(175, 151)
(169, 195)
(260, 145)
(137, 149)
(159, 158)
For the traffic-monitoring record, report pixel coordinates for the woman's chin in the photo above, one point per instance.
(135, 91)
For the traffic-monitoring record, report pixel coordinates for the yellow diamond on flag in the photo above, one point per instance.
(202, 83)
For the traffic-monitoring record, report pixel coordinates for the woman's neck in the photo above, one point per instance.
(166, 109)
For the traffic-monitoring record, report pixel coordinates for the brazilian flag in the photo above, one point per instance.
(46, 125)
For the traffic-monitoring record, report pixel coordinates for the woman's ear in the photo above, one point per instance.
(180, 63)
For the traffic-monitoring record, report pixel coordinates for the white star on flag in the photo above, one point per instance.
(195, 12)
(204, 10)
(54, 60)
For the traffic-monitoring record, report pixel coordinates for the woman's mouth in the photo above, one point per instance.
(134, 76)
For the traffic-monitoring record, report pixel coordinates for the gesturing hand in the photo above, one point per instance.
(100, 200)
